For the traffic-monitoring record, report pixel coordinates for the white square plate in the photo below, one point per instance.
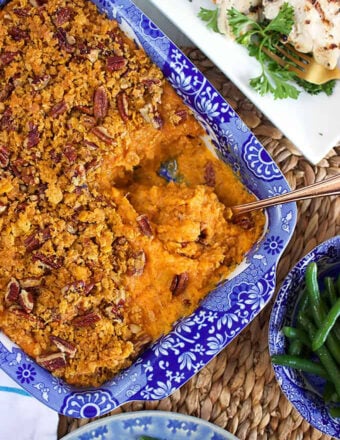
(312, 123)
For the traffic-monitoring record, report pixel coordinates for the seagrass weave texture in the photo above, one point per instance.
(238, 390)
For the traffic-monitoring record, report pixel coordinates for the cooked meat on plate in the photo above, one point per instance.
(316, 29)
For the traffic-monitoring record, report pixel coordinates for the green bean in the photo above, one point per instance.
(300, 364)
(303, 321)
(329, 395)
(303, 303)
(331, 294)
(313, 290)
(295, 347)
(324, 355)
(330, 290)
(327, 325)
(337, 285)
(297, 333)
(334, 411)
(318, 309)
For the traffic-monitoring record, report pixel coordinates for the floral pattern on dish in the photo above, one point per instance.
(151, 424)
(225, 312)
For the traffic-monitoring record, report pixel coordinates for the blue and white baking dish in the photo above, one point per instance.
(232, 305)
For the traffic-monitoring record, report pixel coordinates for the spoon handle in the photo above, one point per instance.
(327, 187)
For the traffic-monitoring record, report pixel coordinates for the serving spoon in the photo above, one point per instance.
(327, 187)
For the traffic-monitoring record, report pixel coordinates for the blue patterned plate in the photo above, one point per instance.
(232, 305)
(158, 424)
(303, 391)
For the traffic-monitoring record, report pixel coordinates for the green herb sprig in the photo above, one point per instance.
(210, 17)
(274, 79)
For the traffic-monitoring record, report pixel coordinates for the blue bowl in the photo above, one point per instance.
(303, 390)
(156, 424)
(233, 304)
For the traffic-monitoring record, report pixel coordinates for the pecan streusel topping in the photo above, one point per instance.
(98, 253)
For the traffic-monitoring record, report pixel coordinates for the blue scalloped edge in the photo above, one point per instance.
(196, 339)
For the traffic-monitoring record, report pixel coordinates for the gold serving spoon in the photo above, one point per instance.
(327, 187)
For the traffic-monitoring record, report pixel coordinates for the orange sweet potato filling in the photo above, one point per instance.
(99, 254)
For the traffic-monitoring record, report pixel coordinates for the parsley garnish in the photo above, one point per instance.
(274, 79)
(315, 89)
(210, 17)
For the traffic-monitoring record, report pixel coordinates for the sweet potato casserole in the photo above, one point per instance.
(113, 213)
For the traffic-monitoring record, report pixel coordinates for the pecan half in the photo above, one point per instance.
(7, 57)
(93, 164)
(144, 225)
(79, 175)
(136, 263)
(150, 82)
(157, 121)
(87, 110)
(90, 145)
(30, 282)
(52, 361)
(26, 301)
(48, 261)
(179, 283)
(21, 207)
(100, 103)
(102, 134)
(12, 291)
(71, 153)
(65, 42)
(33, 136)
(209, 174)
(40, 82)
(18, 34)
(114, 312)
(16, 167)
(115, 63)
(58, 109)
(79, 287)
(6, 91)
(35, 240)
(181, 116)
(123, 106)
(86, 320)
(21, 12)
(6, 121)
(32, 243)
(4, 157)
(88, 121)
(244, 220)
(64, 346)
(29, 175)
(55, 157)
(63, 15)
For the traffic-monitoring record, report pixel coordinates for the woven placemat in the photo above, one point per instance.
(238, 390)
